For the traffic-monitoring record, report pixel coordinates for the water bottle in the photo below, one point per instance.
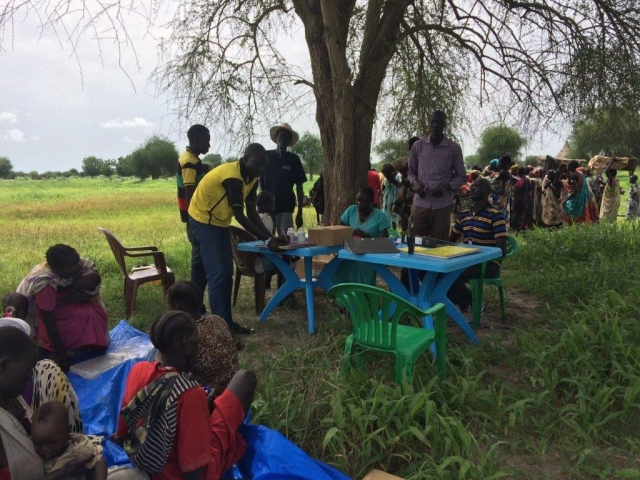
(291, 235)
(301, 237)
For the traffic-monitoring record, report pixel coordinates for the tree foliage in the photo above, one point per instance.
(391, 149)
(376, 60)
(608, 130)
(212, 159)
(500, 140)
(309, 149)
(93, 166)
(6, 168)
(156, 158)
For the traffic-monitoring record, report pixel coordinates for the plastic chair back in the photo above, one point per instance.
(513, 247)
(374, 313)
(118, 250)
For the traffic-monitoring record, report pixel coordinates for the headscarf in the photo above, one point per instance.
(576, 205)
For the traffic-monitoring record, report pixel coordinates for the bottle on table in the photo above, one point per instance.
(291, 235)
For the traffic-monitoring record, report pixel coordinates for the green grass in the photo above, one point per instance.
(557, 395)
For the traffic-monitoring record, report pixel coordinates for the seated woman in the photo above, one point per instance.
(64, 292)
(217, 360)
(18, 357)
(367, 222)
(188, 438)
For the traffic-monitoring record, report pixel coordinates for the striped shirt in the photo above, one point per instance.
(481, 228)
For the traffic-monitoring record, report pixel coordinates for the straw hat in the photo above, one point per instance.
(285, 126)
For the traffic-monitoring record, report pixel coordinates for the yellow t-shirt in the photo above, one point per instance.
(188, 174)
(210, 204)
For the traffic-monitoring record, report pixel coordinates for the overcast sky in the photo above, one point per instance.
(56, 109)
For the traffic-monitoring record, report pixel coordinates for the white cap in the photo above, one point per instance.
(15, 323)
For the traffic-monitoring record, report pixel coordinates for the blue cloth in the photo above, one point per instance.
(269, 455)
(374, 225)
(215, 251)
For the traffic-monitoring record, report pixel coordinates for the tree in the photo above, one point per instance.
(212, 159)
(608, 130)
(500, 140)
(471, 160)
(156, 158)
(309, 149)
(391, 149)
(92, 166)
(392, 60)
(124, 168)
(6, 168)
(532, 160)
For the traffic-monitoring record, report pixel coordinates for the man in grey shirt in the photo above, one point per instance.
(436, 172)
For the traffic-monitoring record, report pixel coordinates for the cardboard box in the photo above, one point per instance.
(318, 264)
(330, 236)
(380, 475)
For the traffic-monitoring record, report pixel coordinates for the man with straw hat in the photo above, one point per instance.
(283, 171)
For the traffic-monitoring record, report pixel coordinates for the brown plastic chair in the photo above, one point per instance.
(152, 273)
(246, 265)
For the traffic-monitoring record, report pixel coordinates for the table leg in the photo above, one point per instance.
(393, 282)
(325, 279)
(290, 285)
(308, 285)
(439, 295)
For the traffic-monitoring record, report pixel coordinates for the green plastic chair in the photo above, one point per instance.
(375, 314)
(477, 284)
(393, 233)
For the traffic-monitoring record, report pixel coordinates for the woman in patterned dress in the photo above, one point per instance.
(217, 360)
(552, 188)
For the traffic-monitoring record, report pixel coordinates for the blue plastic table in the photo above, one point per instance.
(291, 280)
(440, 275)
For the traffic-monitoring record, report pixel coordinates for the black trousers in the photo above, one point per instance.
(460, 294)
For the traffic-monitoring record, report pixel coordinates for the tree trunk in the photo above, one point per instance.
(345, 107)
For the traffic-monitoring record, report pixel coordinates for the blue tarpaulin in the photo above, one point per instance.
(100, 388)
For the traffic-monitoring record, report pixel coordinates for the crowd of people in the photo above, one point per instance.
(549, 197)
(170, 426)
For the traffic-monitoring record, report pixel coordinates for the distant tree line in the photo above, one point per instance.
(157, 158)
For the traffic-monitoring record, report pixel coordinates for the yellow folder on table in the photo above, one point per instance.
(446, 251)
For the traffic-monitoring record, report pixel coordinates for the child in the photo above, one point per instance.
(633, 203)
(266, 205)
(66, 455)
(15, 308)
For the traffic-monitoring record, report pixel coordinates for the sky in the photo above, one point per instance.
(59, 106)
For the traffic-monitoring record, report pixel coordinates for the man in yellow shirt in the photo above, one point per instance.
(220, 196)
(189, 173)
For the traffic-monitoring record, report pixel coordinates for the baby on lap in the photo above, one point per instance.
(66, 455)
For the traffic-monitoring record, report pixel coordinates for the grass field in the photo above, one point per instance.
(554, 392)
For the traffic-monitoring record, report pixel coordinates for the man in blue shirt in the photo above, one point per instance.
(483, 225)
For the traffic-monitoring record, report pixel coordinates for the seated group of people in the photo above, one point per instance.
(181, 410)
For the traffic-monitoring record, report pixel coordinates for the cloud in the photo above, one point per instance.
(35, 138)
(8, 117)
(133, 123)
(15, 135)
(129, 140)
